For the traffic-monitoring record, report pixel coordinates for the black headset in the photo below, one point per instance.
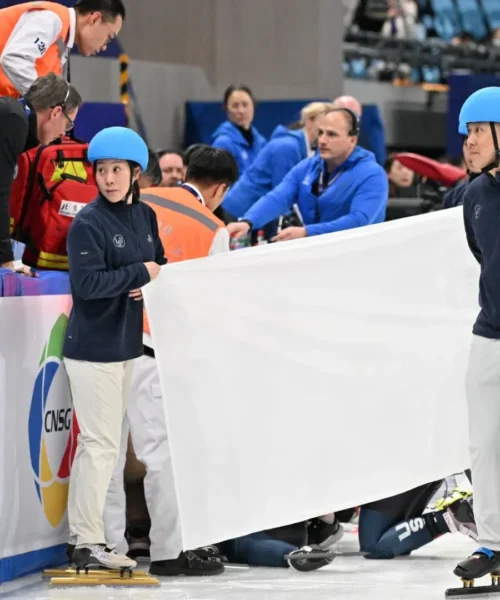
(356, 123)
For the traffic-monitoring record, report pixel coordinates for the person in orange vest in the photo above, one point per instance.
(37, 37)
(188, 230)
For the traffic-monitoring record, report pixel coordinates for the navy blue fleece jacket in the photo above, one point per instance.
(108, 245)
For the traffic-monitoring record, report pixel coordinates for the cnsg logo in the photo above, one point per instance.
(51, 429)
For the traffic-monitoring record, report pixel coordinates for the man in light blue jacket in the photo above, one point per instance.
(342, 187)
(286, 148)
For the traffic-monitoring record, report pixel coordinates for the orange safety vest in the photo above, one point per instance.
(187, 228)
(50, 61)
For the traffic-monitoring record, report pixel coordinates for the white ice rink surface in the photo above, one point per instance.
(423, 576)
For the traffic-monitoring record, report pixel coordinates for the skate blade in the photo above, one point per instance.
(308, 556)
(330, 555)
(110, 581)
(477, 592)
(49, 573)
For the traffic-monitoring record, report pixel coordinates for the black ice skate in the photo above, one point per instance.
(482, 562)
(459, 517)
(309, 559)
(323, 535)
(187, 564)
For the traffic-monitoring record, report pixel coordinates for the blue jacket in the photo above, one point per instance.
(228, 137)
(356, 195)
(285, 150)
(483, 236)
(107, 246)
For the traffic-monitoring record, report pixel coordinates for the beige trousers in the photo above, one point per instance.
(100, 392)
(483, 399)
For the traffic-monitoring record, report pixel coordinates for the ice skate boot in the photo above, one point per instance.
(456, 494)
(459, 516)
(309, 559)
(323, 535)
(482, 562)
(99, 556)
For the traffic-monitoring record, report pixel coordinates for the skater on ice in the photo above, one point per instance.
(480, 116)
(114, 250)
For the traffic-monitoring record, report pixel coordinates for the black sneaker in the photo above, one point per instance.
(188, 564)
(209, 553)
(323, 535)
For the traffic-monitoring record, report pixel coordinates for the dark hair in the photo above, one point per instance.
(389, 161)
(110, 9)
(52, 90)
(212, 166)
(153, 171)
(237, 88)
(188, 152)
(163, 151)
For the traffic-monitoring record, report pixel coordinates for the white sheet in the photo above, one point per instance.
(314, 375)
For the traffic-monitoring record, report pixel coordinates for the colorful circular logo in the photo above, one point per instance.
(51, 428)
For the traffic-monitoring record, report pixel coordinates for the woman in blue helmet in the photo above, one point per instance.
(480, 118)
(114, 250)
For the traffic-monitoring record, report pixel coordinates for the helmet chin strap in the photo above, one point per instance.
(496, 163)
(130, 191)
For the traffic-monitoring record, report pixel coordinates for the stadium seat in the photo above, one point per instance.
(446, 19)
(472, 19)
(492, 12)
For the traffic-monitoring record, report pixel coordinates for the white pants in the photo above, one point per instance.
(483, 400)
(146, 423)
(100, 392)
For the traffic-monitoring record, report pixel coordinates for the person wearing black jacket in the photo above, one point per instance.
(46, 112)
(114, 250)
(480, 114)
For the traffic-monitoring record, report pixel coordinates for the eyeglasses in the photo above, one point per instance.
(70, 123)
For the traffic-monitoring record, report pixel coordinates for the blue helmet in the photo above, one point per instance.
(482, 106)
(119, 143)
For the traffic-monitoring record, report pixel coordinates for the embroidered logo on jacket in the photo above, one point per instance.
(119, 241)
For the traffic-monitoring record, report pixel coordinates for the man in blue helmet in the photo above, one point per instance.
(480, 114)
(114, 250)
